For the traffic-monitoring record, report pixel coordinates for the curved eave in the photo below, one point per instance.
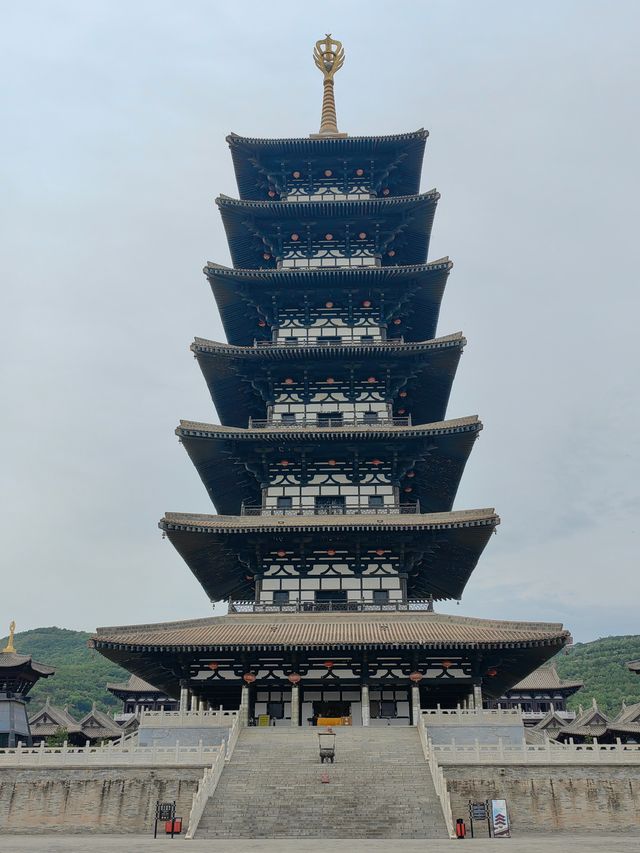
(413, 292)
(447, 545)
(254, 158)
(437, 452)
(252, 225)
(232, 373)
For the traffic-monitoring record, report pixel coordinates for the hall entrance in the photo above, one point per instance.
(341, 706)
(331, 712)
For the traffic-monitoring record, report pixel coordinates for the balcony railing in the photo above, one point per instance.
(338, 340)
(411, 604)
(254, 423)
(350, 509)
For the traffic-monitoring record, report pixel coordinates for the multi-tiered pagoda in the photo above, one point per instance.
(334, 469)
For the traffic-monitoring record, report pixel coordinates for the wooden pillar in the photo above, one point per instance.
(365, 705)
(295, 705)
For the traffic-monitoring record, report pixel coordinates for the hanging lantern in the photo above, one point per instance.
(492, 672)
(401, 411)
(386, 191)
(212, 666)
(271, 194)
(402, 394)
(330, 380)
(284, 463)
(362, 235)
(411, 474)
(391, 253)
(397, 320)
(371, 380)
(376, 461)
(446, 664)
(380, 552)
(328, 173)
(296, 175)
(328, 664)
(295, 238)
(266, 256)
(281, 552)
(359, 172)
(294, 678)
(288, 381)
(262, 323)
(416, 677)
(328, 304)
(331, 552)
(328, 237)
(331, 462)
(408, 489)
(248, 678)
(366, 303)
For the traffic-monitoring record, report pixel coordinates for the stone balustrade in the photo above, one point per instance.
(188, 719)
(110, 755)
(549, 752)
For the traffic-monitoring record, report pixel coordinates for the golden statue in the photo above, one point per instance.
(329, 57)
(10, 648)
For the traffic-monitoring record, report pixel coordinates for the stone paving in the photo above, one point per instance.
(135, 844)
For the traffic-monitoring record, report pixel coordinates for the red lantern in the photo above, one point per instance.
(249, 677)
(416, 677)
(397, 321)
(284, 463)
(331, 552)
(262, 323)
(294, 678)
(371, 380)
(328, 664)
(328, 304)
(281, 552)
(385, 191)
(411, 474)
(446, 664)
(391, 253)
(362, 235)
(402, 394)
(330, 380)
(359, 172)
(376, 461)
(380, 552)
(295, 238)
(288, 381)
(492, 672)
(266, 256)
(212, 666)
(408, 488)
(271, 194)
(328, 237)
(401, 411)
(332, 462)
(328, 173)
(366, 303)
(296, 175)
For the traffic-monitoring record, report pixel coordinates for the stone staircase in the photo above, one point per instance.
(380, 786)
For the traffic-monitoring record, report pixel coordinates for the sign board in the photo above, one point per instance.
(500, 819)
(165, 812)
(479, 811)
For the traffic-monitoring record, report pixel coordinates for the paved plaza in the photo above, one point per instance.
(135, 843)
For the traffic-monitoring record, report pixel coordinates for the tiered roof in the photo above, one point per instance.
(546, 679)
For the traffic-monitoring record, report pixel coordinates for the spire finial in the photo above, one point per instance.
(328, 55)
(10, 648)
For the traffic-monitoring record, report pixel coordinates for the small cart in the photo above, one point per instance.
(327, 741)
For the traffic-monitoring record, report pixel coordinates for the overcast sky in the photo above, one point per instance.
(112, 151)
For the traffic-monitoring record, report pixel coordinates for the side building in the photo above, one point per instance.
(541, 692)
(334, 468)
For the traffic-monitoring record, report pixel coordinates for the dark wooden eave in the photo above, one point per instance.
(253, 226)
(238, 377)
(442, 548)
(259, 162)
(410, 293)
(228, 458)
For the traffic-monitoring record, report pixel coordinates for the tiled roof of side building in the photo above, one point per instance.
(546, 678)
(49, 719)
(12, 660)
(133, 685)
(334, 629)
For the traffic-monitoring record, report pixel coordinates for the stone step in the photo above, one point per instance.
(379, 787)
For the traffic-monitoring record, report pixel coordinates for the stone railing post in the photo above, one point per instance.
(295, 705)
(243, 711)
(415, 704)
(365, 704)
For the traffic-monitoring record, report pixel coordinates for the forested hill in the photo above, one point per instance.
(601, 665)
(81, 673)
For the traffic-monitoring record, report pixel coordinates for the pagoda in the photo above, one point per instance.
(334, 468)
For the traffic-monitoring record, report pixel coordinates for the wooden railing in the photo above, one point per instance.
(330, 423)
(209, 781)
(411, 604)
(346, 509)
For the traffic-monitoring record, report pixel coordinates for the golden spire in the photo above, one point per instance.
(329, 58)
(10, 648)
